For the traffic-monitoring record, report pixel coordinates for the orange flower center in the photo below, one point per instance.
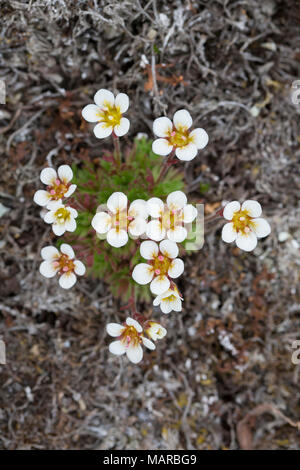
(64, 264)
(58, 189)
(160, 264)
(130, 336)
(171, 219)
(179, 137)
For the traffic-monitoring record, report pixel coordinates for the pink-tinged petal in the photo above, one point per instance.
(189, 213)
(48, 176)
(49, 253)
(148, 343)
(91, 113)
(104, 98)
(114, 329)
(122, 102)
(155, 207)
(70, 225)
(246, 242)
(122, 128)
(162, 126)
(65, 173)
(48, 269)
(66, 249)
(186, 153)
(117, 202)
(117, 348)
(161, 147)
(67, 280)
(155, 230)
(182, 119)
(101, 222)
(71, 190)
(177, 234)
(41, 197)
(132, 322)
(142, 273)
(261, 228)
(228, 233)
(176, 268)
(102, 130)
(135, 353)
(117, 238)
(149, 249)
(79, 268)
(200, 138)
(159, 285)
(169, 248)
(230, 209)
(176, 200)
(252, 207)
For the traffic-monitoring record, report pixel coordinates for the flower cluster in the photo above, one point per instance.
(62, 218)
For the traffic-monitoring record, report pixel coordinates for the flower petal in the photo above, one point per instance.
(165, 306)
(48, 176)
(122, 128)
(122, 102)
(65, 173)
(91, 113)
(67, 250)
(104, 98)
(117, 348)
(47, 269)
(228, 233)
(67, 280)
(117, 202)
(200, 138)
(189, 213)
(155, 207)
(58, 230)
(70, 225)
(102, 130)
(261, 227)
(176, 200)
(137, 227)
(138, 208)
(177, 234)
(176, 268)
(155, 230)
(148, 343)
(49, 253)
(161, 147)
(49, 217)
(132, 322)
(253, 208)
(114, 329)
(101, 222)
(117, 238)
(41, 197)
(79, 268)
(230, 209)
(182, 119)
(162, 126)
(142, 273)
(169, 249)
(135, 353)
(159, 285)
(246, 242)
(186, 153)
(71, 190)
(149, 249)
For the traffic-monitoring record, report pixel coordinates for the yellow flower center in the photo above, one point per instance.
(242, 222)
(171, 218)
(130, 336)
(119, 220)
(179, 137)
(110, 114)
(160, 264)
(62, 215)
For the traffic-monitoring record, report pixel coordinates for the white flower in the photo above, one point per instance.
(169, 219)
(118, 221)
(154, 330)
(245, 225)
(108, 112)
(177, 136)
(58, 186)
(62, 262)
(62, 218)
(129, 340)
(169, 300)
(162, 265)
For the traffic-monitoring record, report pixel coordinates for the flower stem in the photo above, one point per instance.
(117, 152)
(168, 162)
